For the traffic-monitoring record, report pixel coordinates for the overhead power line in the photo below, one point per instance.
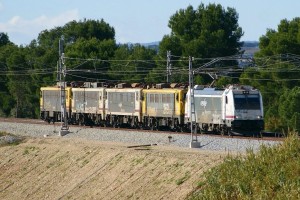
(268, 64)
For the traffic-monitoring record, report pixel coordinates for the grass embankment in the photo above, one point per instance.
(271, 173)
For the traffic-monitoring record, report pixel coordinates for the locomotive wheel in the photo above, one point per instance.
(224, 131)
(152, 127)
(179, 129)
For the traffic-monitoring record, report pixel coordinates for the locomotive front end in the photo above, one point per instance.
(244, 110)
(50, 103)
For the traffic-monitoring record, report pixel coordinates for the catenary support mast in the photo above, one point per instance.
(194, 139)
(168, 66)
(62, 74)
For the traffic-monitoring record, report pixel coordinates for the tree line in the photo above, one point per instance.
(210, 31)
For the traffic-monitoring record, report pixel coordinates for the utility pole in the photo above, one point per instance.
(168, 66)
(62, 74)
(194, 139)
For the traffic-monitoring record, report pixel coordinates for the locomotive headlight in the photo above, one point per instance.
(259, 117)
(236, 117)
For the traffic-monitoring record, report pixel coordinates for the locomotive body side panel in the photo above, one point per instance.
(88, 100)
(163, 102)
(88, 106)
(208, 109)
(50, 100)
(160, 105)
(209, 106)
(123, 102)
(163, 107)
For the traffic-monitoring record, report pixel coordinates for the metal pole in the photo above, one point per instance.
(168, 66)
(191, 98)
(194, 140)
(64, 120)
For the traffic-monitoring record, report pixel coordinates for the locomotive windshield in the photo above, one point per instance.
(246, 102)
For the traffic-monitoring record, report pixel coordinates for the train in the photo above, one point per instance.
(234, 109)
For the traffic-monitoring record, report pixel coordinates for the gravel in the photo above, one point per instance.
(9, 139)
(136, 137)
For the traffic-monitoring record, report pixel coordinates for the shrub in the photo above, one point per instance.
(271, 173)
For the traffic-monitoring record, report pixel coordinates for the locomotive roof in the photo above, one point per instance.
(201, 90)
(209, 91)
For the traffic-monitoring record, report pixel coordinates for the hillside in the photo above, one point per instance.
(249, 47)
(68, 168)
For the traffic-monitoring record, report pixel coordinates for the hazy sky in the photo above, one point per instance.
(138, 21)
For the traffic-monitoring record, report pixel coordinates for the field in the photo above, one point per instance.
(68, 168)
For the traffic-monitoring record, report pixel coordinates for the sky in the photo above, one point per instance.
(135, 21)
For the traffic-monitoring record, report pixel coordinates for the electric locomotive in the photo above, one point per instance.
(50, 103)
(88, 105)
(163, 107)
(123, 106)
(237, 109)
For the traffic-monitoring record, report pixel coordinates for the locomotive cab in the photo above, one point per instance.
(243, 109)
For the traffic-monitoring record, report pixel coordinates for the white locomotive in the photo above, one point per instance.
(235, 109)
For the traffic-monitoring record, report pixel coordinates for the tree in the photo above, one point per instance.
(289, 108)
(5, 97)
(207, 32)
(285, 40)
(25, 69)
(87, 39)
(72, 31)
(4, 39)
(19, 83)
(88, 29)
(94, 55)
(277, 78)
(133, 63)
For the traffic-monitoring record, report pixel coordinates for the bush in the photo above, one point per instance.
(272, 173)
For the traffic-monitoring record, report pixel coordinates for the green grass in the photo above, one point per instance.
(137, 161)
(271, 173)
(181, 180)
(30, 149)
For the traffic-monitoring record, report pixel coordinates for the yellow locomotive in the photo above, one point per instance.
(163, 106)
(50, 103)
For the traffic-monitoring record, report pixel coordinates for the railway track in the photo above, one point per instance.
(266, 136)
